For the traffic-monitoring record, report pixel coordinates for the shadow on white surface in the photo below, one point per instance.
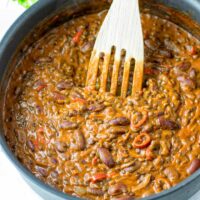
(9, 11)
(11, 183)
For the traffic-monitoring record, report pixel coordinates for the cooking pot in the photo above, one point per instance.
(47, 14)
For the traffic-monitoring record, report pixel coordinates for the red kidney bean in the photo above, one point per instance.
(184, 66)
(160, 114)
(68, 125)
(95, 191)
(31, 145)
(73, 113)
(168, 124)
(86, 47)
(54, 174)
(106, 157)
(76, 94)
(121, 121)
(17, 91)
(91, 141)
(186, 82)
(39, 109)
(171, 45)
(63, 85)
(80, 140)
(117, 189)
(130, 169)
(44, 60)
(58, 96)
(151, 44)
(96, 107)
(132, 165)
(194, 166)
(42, 171)
(117, 130)
(54, 160)
(192, 73)
(61, 146)
(165, 53)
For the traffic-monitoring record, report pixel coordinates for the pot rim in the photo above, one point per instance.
(22, 169)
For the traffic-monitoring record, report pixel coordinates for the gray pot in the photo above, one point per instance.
(38, 20)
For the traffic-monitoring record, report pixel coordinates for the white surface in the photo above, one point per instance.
(12, 186)
(11, 183)
(9, 11)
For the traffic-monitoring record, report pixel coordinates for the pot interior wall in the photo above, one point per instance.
(184, 13)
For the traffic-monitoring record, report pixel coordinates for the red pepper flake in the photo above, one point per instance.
(77, 36)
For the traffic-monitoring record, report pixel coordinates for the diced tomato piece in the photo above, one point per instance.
(39, 85)
(98, 177)
(94, 161)
(150, 71)
(193, 51)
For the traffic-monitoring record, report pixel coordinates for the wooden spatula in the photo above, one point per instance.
(122, 30)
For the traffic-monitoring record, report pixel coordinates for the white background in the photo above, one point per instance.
(12, 186)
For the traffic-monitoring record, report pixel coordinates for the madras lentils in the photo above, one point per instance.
(98, 146)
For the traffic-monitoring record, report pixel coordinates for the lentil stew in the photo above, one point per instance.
(98, 146)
